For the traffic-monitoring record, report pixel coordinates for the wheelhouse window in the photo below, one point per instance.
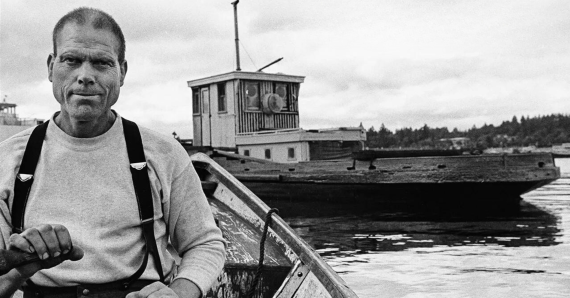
(293, 96)
(205, 105)
(252, 96)
(267, 153)
(195, 102)
(282, 90)
(246, 152)
(291, 153)
(222, 97)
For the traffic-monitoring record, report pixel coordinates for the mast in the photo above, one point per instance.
(235, 3)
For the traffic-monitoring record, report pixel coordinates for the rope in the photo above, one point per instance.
(268, 220)
(243, 46)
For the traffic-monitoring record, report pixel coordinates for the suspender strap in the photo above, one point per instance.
(139, 172)
(25, 176)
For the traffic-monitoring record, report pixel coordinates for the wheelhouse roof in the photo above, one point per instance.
(259, 76)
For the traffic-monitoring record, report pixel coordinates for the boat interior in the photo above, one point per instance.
(291, 268)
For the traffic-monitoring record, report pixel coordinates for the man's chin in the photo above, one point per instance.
(85, 115)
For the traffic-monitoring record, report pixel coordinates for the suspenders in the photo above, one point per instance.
(144, 198)
(25, 176)
(139, 173)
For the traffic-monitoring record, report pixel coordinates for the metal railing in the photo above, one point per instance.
(11, 119)
(269, 132)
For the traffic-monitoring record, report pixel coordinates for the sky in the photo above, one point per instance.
(401, 63)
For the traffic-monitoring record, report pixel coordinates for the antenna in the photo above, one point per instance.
(235, 3)
(266, 66)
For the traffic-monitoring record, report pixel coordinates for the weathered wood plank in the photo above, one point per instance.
(235, 282)
(311, 287)
(401, 175)
(242, 157)
(433, 176)
(368, 155)
(244, 238)
(461, 163)
(293, 280)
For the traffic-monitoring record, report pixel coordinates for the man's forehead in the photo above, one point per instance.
(87, 53)
(86, 33)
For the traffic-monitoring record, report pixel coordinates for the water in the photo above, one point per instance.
(409, 252)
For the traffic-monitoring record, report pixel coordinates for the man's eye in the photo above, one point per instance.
(102, 63)
(70, 60)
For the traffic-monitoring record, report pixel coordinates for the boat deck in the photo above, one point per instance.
(453, 177)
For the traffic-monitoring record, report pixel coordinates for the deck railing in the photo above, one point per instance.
(12, 119)
(269, 132)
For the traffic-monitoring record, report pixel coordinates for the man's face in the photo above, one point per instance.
(86, 73)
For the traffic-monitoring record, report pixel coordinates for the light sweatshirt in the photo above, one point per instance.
(85, 185)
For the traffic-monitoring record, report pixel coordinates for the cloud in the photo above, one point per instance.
(403, 63)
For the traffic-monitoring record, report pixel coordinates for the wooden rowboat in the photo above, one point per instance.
(291, 268)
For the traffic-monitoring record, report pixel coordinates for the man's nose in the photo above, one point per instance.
(86, 75)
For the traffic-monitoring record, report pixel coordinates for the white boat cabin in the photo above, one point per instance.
(10, 123)
(256, 114)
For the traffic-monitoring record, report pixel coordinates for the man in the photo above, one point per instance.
(83, 204)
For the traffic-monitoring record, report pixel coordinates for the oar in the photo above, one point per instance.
(10, 259)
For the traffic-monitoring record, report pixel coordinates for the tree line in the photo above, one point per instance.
(539, 131)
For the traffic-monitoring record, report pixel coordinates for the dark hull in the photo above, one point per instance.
(382, 192)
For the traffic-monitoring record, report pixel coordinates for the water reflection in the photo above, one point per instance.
(344, 228)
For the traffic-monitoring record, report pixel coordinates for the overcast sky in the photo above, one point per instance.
(401, 63)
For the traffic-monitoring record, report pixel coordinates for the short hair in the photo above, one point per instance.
(96, 18)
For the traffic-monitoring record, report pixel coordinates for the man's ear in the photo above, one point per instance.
(50, 61)
(124, 68)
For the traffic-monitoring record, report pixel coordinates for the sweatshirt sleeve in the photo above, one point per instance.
(193, 231)
(5, 218)
(5, 227)
(11, 153)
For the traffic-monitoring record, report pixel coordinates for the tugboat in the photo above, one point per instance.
(250, 122)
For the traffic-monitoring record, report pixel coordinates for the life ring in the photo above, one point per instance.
(272, 103)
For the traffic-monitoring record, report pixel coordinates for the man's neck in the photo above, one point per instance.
(85, 129)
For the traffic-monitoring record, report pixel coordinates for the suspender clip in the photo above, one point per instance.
(147, 221)
(138, 165)
(24, 177)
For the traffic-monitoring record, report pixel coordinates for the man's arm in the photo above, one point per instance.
(194, 235)
(185, 288)
(10, 282)
(178, 288)
(193, 231)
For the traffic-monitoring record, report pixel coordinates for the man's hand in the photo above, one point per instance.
(52, 244)
(154, 290)
(178, 288)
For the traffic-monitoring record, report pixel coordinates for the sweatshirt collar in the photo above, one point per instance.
(84, 144)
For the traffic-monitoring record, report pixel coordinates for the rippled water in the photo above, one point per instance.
(403, 251)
